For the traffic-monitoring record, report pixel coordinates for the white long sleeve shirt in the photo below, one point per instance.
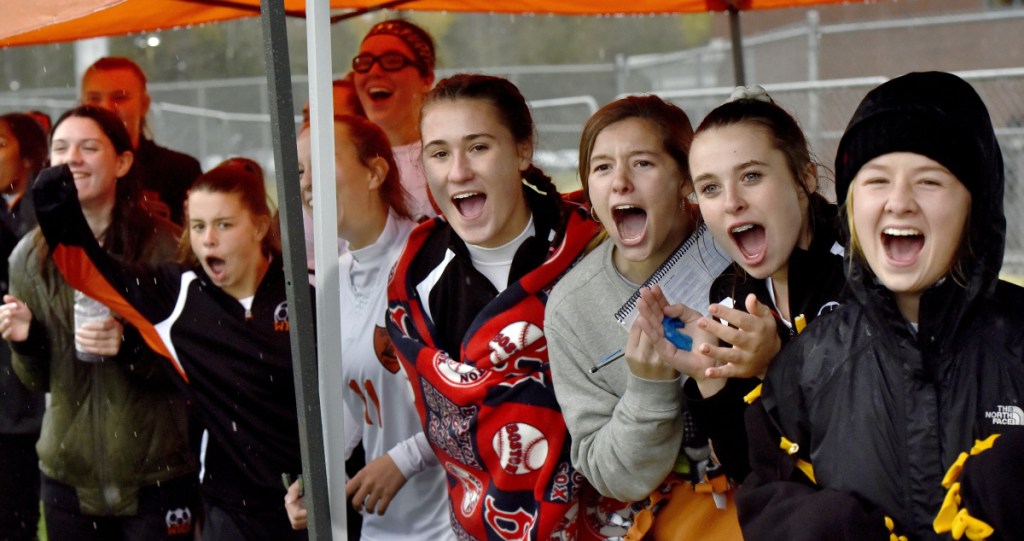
(377, 392)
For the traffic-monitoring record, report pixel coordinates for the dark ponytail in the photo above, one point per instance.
(540, 182)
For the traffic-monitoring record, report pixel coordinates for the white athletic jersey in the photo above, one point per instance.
(414, 180)
(379, 396)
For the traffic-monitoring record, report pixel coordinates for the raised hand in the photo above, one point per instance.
(15, 319)
(752, 336)
(295, 505)
(653, 307)
(641, 354)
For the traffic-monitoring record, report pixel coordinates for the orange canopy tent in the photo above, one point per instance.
(49, 21)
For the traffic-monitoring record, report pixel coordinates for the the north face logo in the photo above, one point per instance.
(1006, 415)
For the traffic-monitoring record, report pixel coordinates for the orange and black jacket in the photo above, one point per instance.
(237, 362)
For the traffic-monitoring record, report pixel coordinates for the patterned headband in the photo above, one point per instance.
(418, 40)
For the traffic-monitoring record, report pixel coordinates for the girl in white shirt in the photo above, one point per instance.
(374, 218)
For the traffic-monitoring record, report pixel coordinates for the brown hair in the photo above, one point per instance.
(126, 237)
(676, 131)
(109, 63)
(371, 142)
(31, 140)
(783, 130)
(243, 177)
(118, 238)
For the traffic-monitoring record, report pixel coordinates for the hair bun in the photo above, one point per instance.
(752, 92)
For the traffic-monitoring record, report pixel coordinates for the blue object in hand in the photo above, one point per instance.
(672, 327)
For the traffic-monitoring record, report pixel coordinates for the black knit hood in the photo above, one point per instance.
(938, 115)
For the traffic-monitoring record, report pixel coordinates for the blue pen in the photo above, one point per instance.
(608, 359)
(672, 327)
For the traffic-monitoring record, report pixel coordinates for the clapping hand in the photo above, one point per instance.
(751, 337)
(653, 307)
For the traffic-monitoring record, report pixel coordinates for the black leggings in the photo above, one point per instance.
(167, 511)
(227, 524)
(19, 487)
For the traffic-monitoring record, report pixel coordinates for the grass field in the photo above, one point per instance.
(42, 525)
(1019, 280)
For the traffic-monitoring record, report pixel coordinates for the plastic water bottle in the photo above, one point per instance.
(88, 309)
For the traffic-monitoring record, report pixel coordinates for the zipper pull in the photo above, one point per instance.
(248, 314)
(800, 322)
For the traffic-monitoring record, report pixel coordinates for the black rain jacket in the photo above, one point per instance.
(881, 411)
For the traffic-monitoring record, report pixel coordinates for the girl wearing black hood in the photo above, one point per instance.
(873, 405)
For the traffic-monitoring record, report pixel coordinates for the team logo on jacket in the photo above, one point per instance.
(508, 524)
(521, 448)
(472, 488)
(1006, 416)
(399, 317)
(385, 350)
(281, 317)
(828, 307)
(461, 374)
(563, 485)
(179, 521)
(513, 339)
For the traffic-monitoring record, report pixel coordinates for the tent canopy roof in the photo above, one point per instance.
(50, 21)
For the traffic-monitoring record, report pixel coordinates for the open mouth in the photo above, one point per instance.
(215, 266)
(902, 244)
(379, 94)
(630, 221)
(470, 205)
(750, 239)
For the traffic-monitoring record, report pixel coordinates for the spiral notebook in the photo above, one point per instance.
(686, 276)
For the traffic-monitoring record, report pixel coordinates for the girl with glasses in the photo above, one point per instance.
(393, 71)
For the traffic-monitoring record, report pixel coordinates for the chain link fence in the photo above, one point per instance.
(824, 107)
(817, 72)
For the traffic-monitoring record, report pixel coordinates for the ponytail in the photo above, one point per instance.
(542, 184)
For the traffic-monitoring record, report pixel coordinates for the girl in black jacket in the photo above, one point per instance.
(221, 319)
(875, 402)
(756, 184)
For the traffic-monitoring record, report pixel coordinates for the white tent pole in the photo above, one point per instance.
(325, 250)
